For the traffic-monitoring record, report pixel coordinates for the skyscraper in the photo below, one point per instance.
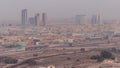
(37, 19)
(96, 19)
(24, 16)
(32, 21)
(44, 19)
(80, 19)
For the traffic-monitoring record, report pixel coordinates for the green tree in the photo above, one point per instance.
(106, 54)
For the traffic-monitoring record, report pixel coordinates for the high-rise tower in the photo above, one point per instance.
(24, 16)
(32, 21)
(44, 19)
(37, 19)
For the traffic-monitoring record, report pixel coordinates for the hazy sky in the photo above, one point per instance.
(59, 9)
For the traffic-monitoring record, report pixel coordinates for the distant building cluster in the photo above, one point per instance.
(42, 19)
(37, 20)
(95, 19)
(81, 19)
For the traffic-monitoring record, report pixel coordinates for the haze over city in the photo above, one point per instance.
(59, 9)
(59, 34)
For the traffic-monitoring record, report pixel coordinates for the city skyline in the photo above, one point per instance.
(60, 9)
